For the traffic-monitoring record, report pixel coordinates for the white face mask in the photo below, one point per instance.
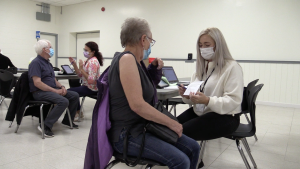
(207, 53)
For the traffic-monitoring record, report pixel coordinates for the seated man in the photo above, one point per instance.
(44, 87)
(5, 62)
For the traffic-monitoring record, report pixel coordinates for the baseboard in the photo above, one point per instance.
(278, 104)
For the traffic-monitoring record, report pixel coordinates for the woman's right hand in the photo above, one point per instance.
(176, 127)
(181, 91)
(72, 61)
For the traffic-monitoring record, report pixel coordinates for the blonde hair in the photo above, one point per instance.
(221, 53)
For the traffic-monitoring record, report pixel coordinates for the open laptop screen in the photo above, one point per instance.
(169, 73)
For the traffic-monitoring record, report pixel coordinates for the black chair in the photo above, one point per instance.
(119, 159)
(41, 104)
(6, 84)
(13, 70)
(244, 130)
(246, 107)
(74, 83)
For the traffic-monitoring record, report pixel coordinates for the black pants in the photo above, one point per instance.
(208, 126)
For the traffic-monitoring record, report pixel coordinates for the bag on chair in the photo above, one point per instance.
(160, 131)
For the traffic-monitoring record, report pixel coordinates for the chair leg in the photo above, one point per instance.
(246, 144)
(49, 110)
(1, 99)
(42, 121)
(21, 118)
(256, 139)
(244, 141)
(81, 107)
(70, 120)
(149, 166)
(111, 164)
(247, 118)
(242, 154)
(171, 108)
(5, 103)
(202, 145)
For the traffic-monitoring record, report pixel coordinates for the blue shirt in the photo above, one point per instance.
(42, 68)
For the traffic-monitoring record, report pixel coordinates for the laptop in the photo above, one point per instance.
(67, 70)
(170, 74)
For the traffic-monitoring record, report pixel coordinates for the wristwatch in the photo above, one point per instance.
(62, 86)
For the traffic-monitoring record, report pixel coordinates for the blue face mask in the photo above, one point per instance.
(147, 52)
(51, 53)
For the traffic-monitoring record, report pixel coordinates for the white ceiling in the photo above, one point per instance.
(62, 2)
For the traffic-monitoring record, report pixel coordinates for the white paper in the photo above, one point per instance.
(193, 87)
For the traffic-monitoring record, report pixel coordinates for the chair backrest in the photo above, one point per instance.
(252, 84)
(74, 83)
(245, 107)
(6, 82)
(252, 107)
(13, 70)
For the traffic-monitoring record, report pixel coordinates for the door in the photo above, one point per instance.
(52, 39)
(82, 39)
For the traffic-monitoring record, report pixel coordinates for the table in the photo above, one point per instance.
(58, 77)
(166, 94)
(22, 70)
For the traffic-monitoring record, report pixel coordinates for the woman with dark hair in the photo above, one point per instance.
(88, 71)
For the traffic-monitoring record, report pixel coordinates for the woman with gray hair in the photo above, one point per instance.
(132, 97)
(218, 101)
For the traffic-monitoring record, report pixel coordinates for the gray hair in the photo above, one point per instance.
(132, 30)
(222, 52)
(40, 45)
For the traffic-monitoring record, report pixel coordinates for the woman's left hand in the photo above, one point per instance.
(199, 98)
(158, 62)
(80, 64)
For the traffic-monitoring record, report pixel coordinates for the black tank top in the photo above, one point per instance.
(121, 115)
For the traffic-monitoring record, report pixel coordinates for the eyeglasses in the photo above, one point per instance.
(152, 41)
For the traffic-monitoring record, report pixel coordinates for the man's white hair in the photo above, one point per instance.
(40, 45)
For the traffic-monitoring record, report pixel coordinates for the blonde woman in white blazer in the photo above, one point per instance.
(219, 98)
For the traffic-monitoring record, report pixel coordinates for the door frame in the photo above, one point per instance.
(84, 33)
(56, 44)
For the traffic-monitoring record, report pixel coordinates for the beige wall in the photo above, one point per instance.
(253, 29)
(18, 25)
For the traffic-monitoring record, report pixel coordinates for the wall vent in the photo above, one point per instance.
(44, 15)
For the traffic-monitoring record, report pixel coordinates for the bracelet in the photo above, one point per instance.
(62, 86)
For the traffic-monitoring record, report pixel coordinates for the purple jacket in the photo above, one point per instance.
(99, 150)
